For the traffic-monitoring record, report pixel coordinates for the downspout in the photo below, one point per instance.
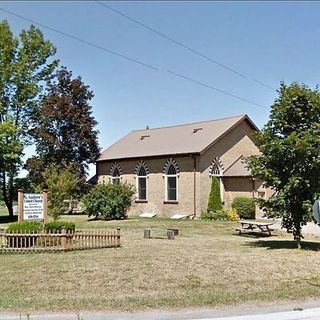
(194, 186)
(253, 187)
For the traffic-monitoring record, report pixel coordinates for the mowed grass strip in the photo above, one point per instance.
(206, 265)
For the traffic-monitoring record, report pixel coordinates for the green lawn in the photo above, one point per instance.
(206, 265)
(4, 218)
(3, 210)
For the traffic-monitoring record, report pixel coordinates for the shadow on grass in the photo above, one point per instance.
(7, 219)
(284, 244)
(254, 234)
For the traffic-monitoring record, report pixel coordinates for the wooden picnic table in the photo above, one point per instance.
(251, 225)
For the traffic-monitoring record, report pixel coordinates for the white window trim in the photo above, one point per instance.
(115, 178)
(166, 187)
(137, 187)
(115, 166)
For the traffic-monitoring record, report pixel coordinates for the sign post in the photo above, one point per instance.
(20, 205)
(45, 205)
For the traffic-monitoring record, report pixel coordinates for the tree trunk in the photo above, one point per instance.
(7, 196)
(299, 243)
(297, 235)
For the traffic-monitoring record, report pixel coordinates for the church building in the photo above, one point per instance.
(172, 167)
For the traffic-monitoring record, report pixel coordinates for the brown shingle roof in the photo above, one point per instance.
(174, 140)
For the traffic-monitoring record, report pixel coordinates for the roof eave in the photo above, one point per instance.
(185, 154)
(245, 117)
(237, 176)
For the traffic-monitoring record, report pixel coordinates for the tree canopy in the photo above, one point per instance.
(61, 186)
(64, 128)
(289, 162)
(42, 105)
(25, 63)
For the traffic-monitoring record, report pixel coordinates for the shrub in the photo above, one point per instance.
(58, 225)
(245, 207)
(223, 214)
(25, 226)
(233, 215)
(220, 215)
(205, 215)
(109, 201)
(214, 201)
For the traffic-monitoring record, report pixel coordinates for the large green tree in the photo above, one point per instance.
(25, 63)
(289, 162)
(64, 128)
(10, 155)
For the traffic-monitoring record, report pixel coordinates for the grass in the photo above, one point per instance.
(4, 218)
(3, 210)
(206, 265)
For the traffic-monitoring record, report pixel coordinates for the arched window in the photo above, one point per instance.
(115, 173)
(216, 168)
(141, 174)
(171, 171)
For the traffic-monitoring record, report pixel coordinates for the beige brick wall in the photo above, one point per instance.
(156, 185)
(238, 142)
(237, 187)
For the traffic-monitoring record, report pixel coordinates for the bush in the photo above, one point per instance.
(25, 226)
(220, 215)
(109, 201)
(205, 215)
(58, 225)
(214, 201)
(233, 215)
(223, 214)
(245, 207)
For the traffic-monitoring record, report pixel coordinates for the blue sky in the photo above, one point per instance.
(268, 41)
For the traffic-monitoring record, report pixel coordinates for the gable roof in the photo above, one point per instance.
(193, 138)
(237, 169)
(93, 180)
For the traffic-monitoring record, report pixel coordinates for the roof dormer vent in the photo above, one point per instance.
(196, 130)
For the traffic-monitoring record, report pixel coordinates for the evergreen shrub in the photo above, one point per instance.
(214, 202)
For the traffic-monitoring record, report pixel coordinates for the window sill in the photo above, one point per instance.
(170, 202)
(141, 201)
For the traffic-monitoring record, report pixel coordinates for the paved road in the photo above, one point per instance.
(310, 228)
(203, 314)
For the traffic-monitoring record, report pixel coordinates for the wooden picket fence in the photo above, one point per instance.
(58, 241)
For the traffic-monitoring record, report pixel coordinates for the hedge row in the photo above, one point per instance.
(35, 226)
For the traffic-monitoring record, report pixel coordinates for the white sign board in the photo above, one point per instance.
(33, 206)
